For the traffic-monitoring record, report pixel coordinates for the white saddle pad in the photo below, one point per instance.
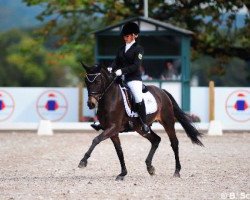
(149, 100)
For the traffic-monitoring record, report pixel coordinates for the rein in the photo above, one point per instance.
(109, 85)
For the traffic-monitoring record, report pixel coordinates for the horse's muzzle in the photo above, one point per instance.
(92, 102)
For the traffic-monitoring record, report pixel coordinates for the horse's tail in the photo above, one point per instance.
(185, 121)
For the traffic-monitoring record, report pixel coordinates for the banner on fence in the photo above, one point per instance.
(232, 105)
(35, 104)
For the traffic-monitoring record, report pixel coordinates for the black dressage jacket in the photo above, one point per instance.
(129, 62)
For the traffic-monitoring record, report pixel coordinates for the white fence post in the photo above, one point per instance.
(45, 128)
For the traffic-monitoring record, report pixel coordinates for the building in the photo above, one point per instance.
(162, 43)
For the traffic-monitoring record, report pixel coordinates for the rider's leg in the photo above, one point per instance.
(142, 112)
(136, 89)
(96, 126)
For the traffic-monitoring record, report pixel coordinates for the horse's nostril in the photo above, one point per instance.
(91, 105)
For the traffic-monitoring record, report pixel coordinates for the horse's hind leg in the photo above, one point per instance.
(116, 141)
(169, 128)
(155, 140)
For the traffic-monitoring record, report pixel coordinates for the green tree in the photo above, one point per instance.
(73, 21)
(26, 62)
(233, 73)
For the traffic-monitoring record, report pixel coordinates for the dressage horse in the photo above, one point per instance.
(105, 95)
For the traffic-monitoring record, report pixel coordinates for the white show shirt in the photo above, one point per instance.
(128, 45)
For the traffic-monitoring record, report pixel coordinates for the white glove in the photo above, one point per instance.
(118, 72)
(109, 69)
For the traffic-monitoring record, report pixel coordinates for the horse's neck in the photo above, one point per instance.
(112, 95)
(112, 91)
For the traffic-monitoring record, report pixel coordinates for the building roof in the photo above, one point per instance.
(157, 23)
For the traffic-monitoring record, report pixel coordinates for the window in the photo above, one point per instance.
(160, 45)
(164, 69)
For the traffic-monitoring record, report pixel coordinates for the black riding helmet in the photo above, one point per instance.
(130, 28)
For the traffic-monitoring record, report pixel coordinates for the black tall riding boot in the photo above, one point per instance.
(142, 114)
(97, 127)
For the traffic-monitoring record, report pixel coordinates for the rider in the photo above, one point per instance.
(127, 62)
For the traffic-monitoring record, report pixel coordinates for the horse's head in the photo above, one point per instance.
(97, 80)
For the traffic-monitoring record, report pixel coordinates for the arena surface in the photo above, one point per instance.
(45, 167)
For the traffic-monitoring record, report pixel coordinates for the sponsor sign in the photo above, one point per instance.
(238, 106)
(52, 105)
(7, 105)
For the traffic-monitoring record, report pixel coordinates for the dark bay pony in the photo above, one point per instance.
(105, 95)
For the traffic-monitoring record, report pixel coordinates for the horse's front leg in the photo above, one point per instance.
(116, 141)
(104, 135)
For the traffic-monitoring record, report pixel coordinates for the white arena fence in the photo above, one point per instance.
(24, 108)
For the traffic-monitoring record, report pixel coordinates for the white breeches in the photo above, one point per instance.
(136, 89)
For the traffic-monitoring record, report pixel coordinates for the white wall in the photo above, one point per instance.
(29, 104)
(229, 102)
(232, 106)
(200, 102)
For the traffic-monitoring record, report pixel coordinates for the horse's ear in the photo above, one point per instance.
(86, 67)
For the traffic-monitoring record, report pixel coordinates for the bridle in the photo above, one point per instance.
(96, 75)
(100, 94)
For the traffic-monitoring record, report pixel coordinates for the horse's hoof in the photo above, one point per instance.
(151, 170)
(177, 175)
(83, 164)
(119, 178)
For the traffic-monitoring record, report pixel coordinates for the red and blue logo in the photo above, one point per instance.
(7, 105)
(52, 105)
(241, 103)
(237, 106)
(2, 104)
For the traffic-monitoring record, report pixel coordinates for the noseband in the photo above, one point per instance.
(95, 76)
(100, 94)
(91, 80)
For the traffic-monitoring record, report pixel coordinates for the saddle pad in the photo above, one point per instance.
(149, 100)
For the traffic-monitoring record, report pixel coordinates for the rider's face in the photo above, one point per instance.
(129, 38)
